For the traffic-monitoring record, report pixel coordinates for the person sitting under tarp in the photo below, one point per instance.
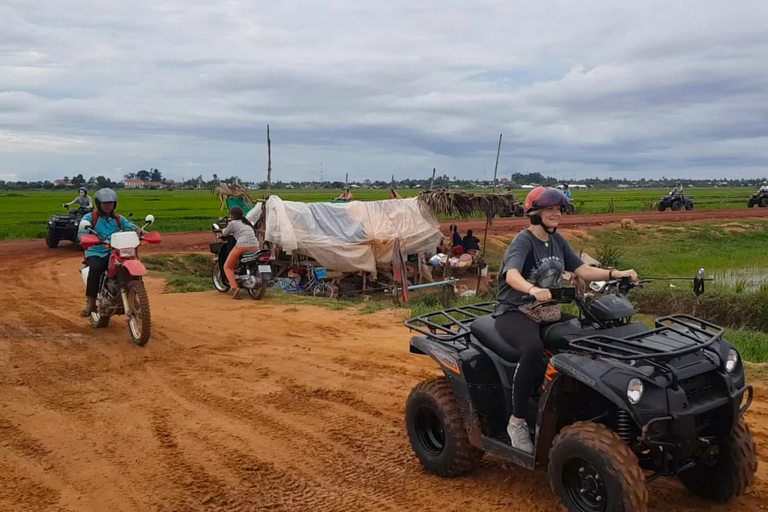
(470, 242)
(457, 244)
(345, 196)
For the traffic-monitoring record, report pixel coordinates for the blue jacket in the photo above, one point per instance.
(104, 228)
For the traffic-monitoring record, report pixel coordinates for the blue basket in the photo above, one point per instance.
(320, 273)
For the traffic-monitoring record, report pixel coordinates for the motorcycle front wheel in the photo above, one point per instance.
(218, 278)
(140, 320)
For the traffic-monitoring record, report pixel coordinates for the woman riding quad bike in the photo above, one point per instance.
(83, 200)
(534, 262)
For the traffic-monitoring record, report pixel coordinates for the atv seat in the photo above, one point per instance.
(484, 329)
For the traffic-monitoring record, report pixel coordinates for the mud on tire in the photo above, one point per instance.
(437, 432)
(51, 239)
(732, 472)
(583, 450)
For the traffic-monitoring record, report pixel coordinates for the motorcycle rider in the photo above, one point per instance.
(534, 262)
(566, 190)
(242, 229)
(83, 199)
(105, 223)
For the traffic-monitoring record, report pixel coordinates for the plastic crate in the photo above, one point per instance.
(320, 273)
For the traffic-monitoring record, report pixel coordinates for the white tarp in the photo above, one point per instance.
(353, 236)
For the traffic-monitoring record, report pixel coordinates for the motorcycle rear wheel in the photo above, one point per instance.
(140, 320)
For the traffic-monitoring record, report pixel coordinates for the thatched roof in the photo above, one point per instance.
(464, 204)
(393, 194)
(224, 191)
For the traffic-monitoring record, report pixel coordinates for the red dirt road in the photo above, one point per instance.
(245, 406)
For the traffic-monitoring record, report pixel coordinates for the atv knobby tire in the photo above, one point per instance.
(689, 205)
(445, 449)
(732, 472)
(662, 207)
(764, 202)
(676, 206)
(602, 451)
(51, 239)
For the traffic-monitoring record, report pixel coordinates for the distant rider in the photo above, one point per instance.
(678, 190)
(105, 223)
(534, 262)
(83, 200)
(245, 236)
(566, 190)
(764, 188)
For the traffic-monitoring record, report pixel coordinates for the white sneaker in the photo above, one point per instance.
(520, 436)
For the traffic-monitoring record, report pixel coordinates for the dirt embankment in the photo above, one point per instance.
(231, 407)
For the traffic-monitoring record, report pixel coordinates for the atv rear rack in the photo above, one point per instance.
(674, 336)
(450, 324)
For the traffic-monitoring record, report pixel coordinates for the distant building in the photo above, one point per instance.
(63, 182)
(134, 183)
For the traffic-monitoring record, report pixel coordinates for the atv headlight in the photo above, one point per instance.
(635, 391)
(733, 359)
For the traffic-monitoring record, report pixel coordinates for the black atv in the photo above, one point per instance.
(516, 211)
(675, 202)
(620, 404)
(759, 199)
(64, 226)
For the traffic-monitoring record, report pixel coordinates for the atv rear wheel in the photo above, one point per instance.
(730, 473)
(218, 279)
(676, 206)
(592, 470)
(437, 432)
(51, 239)
(140, 320)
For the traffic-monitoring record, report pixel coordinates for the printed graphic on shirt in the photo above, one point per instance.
(549, 273)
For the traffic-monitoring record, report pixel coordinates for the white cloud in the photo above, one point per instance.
(578, 88)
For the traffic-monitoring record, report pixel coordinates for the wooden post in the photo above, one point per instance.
(487, 218)
(346, 181)
(269, 164)
(432, 183)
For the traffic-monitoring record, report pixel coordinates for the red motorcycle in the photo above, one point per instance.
(121, 288)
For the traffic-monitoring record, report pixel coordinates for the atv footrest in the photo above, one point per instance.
(506, 451)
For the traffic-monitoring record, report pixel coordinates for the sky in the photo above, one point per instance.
(577, 88)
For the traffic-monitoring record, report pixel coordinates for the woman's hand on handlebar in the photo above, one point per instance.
(541, 294)
(618, 274)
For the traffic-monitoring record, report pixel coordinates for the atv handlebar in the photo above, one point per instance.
(562, 295)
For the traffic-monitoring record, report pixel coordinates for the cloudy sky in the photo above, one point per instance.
(578, 88)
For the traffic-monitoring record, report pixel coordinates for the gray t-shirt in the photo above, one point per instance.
(540, 263)
(243, 233)
(84, 201)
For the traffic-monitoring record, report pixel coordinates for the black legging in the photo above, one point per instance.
(524, 335)
(97, 266)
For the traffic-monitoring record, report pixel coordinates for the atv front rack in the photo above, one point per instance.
(674, 336)
(450, 324)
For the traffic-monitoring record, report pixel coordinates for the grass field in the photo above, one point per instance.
(23, 214)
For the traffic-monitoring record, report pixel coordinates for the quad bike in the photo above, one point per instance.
(121, 288)
(253, 272)
(675, 202)
(620, 404)
(517, 211)
(64, 226)
(760, 199)
(570, 209)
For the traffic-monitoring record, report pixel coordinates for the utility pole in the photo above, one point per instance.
(432, 183)
(269, 164)
(488, 219)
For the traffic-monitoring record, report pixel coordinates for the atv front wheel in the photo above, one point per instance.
(437, 432)
(592, 470)
(750, 204)
(730, 472)
(689, 205)
(51, 239)
(677, 206)
(662, 207)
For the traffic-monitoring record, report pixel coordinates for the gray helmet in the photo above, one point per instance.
(106, 195)
(83, 189)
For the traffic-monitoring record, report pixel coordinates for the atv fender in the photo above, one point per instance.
(452, 366)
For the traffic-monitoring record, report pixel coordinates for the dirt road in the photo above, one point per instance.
(231, 407)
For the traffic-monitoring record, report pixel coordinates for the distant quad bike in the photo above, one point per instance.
(759, 199)
(620, 404)
(676, 202)
(570, 209)
(64, 226)
(517, 211)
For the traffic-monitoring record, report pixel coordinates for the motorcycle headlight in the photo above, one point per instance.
(127, 253)
(733, 359)
(635, 391)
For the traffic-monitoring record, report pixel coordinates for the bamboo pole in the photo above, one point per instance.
(487, 218)
(269, 164)
(432, 183)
